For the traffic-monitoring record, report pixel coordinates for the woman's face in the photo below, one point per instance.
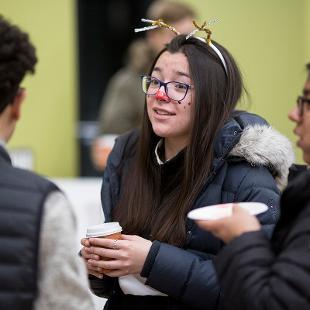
(171, 119)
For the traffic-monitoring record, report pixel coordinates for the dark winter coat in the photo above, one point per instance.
(249, 156)
(257, 274)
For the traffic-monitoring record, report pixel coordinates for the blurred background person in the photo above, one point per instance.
(122, 105)
(39, 266)
(254, 272)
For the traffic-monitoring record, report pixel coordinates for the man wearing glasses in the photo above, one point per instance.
(257, 273)
(301, 115)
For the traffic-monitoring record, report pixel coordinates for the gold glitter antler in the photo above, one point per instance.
(204, 28)
(156, 24)
(162, 24)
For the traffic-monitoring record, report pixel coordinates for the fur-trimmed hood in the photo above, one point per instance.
(262, 145)
(246, 136)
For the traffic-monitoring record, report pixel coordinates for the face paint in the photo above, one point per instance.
(161, 95)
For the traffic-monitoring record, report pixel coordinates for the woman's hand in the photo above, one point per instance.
(86, 254)
(232, 226)
(118, 257)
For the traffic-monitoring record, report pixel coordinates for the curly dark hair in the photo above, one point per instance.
(17, 57)
(308, 66)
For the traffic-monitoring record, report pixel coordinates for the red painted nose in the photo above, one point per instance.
(161, 95)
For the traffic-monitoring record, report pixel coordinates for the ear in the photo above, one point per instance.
(17, 102)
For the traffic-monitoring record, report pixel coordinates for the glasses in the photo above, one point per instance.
(174, 90)
(301, 102)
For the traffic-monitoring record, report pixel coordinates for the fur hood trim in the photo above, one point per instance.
(264, 146)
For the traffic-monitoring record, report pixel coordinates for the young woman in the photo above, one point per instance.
(193, 150)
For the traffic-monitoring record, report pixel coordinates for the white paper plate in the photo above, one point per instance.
(223, 210)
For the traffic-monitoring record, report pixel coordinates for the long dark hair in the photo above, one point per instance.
(140, 209)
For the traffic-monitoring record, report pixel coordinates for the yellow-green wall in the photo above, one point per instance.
(307, 27)
(271, 43)
(47, 125)
(269, 39)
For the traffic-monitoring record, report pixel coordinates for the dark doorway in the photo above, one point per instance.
(105, 29)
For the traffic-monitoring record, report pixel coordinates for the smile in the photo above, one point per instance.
(163, 112)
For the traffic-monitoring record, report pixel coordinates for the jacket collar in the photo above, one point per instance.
(4, 156)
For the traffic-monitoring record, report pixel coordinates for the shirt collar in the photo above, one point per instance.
(2, 143)
(158, 152)
(158, 145)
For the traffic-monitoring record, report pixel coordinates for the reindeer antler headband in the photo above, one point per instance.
(204, 28)
(156, 24)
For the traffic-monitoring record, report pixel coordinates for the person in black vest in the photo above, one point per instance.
(39, 265)
(256, 273)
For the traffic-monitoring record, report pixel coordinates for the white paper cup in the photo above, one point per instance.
(111, 230)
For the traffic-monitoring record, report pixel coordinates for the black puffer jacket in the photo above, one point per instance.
(258, 274)
(249, 155)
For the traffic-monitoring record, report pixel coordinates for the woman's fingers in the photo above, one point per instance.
(85, 242)
(96, 274)
(124, 256)
(130, 237)
(92, 268)
(107, 243)
(87, 254)
(106, 264)
(114, 273)
(104, 252)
